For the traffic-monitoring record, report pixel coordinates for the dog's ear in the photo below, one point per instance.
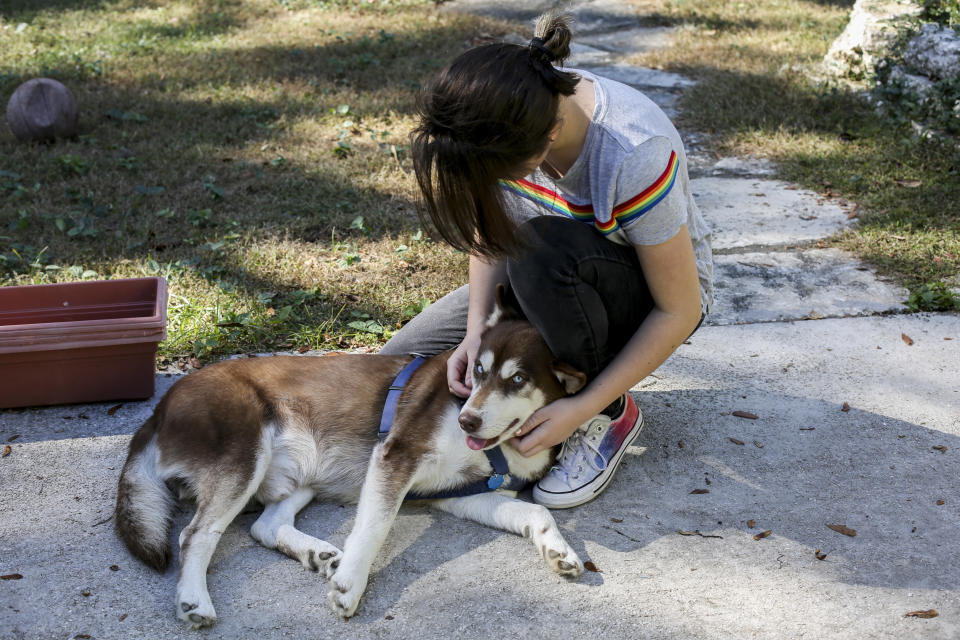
(571, 379)
(505, 305)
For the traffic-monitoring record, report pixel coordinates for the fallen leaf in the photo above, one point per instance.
(352, 297)
(909, 184)
(388, 617)
(698, 492)
(940, 503)
(757, 445)
(589, 566)
(112, 410)
(11, 576)
(808, 428)
(929, 613)
(114, 567)
(85, 594)
(940, 448)
(13, 437)
(808, 217)
(735, 441)
(762, 535)
(196, 364)
(7, 450)
(845, 407)
(751, 524)
(688, 533)
(745, 414)
(616, 520)
(303, 349)
(818, 555)
(906, 339)
(844, 529)
(122, 618)
(853, 212)
(82, 636)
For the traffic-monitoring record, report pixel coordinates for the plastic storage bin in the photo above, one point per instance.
(80, 341)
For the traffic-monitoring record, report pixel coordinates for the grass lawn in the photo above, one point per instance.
(255, 153)
(755, 95)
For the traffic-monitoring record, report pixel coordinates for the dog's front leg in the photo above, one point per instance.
(529, 520)
(388, 479)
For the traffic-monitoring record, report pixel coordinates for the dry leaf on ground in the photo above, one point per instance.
(589, 566)
(818, 555)
(122, 618)
(112, 410)
(762, 535)
(735, 441)
(745, 414)
(909, 184)
(929, 613)
(751, 524)
(196, 364)
(699, 491)
(616, 520)
(11, 576)
(844, 529)
(7, 450)
(906, 338)
(845, 407)
(940, 448)
(940, 503)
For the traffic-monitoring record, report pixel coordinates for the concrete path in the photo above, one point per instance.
(853, 426)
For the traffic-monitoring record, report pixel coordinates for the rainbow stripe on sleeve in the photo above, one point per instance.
(622, 213)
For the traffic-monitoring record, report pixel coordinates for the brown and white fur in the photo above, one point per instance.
(284, 430)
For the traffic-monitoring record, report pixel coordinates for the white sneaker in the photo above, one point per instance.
(588, 459)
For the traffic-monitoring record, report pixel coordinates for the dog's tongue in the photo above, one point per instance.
(476, 443)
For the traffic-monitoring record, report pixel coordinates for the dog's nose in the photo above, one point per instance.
(470, 422)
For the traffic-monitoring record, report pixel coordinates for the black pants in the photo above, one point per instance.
(585, 294)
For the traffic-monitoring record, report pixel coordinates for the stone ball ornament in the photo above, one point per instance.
(42, 110)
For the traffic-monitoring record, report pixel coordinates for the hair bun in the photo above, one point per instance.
(551, 36)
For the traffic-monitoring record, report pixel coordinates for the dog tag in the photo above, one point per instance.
(495, 481)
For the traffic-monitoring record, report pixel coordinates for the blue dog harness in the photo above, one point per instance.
(501, 478)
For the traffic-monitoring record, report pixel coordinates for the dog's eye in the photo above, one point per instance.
(478, 369)
(518, 379)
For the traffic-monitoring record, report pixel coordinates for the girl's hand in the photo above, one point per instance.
(460, 366)
(551, 425)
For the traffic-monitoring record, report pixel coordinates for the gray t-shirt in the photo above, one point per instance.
(630, 181)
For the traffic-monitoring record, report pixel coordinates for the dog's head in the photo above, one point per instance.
(514, 375)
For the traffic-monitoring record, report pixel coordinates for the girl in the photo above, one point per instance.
(573, 188)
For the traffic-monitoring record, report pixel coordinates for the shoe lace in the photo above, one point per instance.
(576, 452)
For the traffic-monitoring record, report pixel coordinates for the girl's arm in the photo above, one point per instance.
(670, 270)
(484, 276)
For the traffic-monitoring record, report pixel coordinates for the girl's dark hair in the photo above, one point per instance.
(489, 111)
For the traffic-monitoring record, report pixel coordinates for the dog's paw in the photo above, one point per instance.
(566, 563)
(197, 614)
(313, 555)
(559, 555)
(345, 591)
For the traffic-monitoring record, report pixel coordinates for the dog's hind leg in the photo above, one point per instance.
(274, 529)
(529, 520)
(220, 497)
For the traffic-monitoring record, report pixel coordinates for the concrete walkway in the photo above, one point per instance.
(853, 426)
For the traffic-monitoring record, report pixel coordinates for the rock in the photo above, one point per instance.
(934, 52)
(42, 109)
(869, 33)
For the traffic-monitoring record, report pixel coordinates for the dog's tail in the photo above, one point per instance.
(144, 504)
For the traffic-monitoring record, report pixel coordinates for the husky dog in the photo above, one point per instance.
(283, 430)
